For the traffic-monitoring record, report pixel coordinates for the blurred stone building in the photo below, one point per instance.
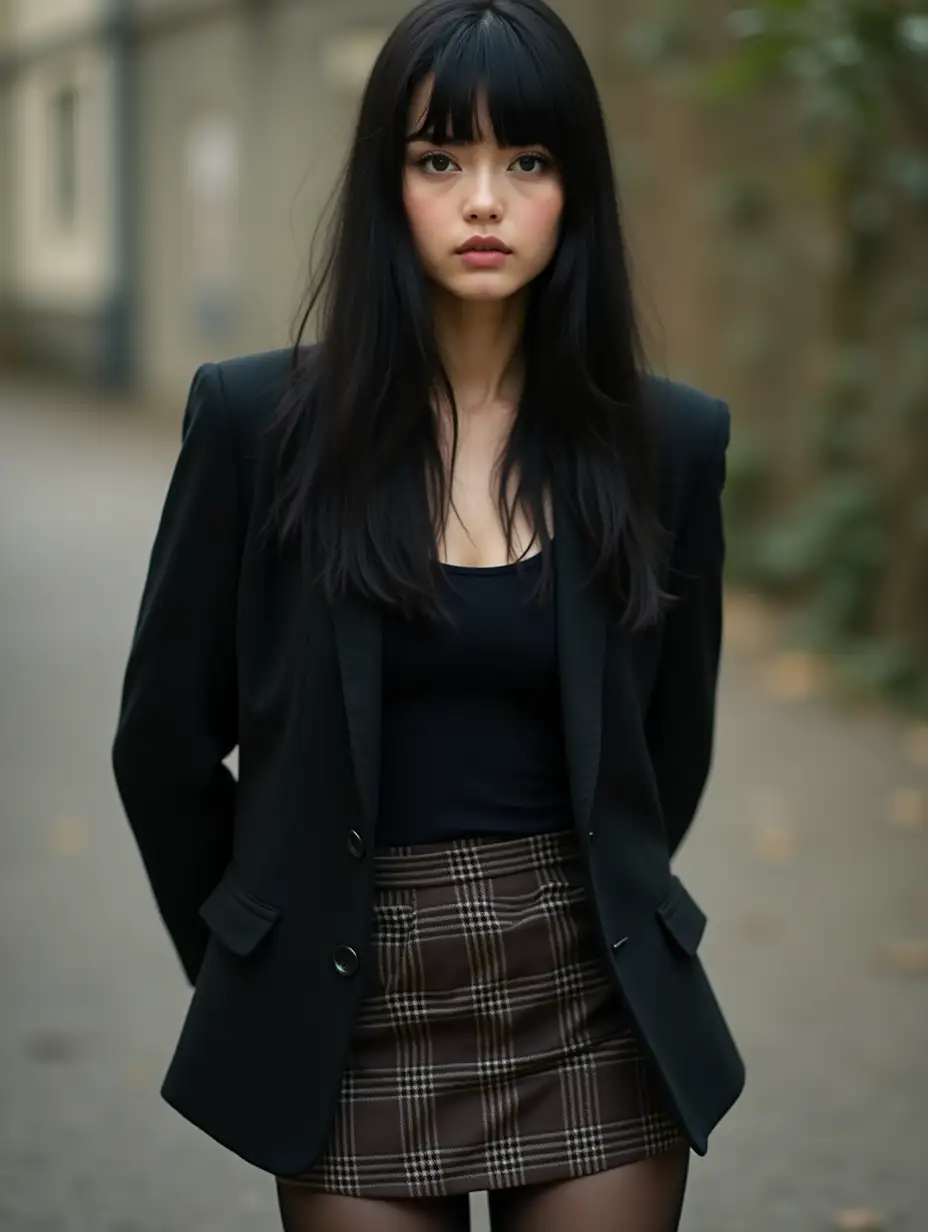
(163, 164)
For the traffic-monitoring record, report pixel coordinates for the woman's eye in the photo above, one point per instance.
(434, 160)
(528, 164)
(543, 163)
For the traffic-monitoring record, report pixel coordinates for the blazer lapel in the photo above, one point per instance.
(359, 637)
(581, 644)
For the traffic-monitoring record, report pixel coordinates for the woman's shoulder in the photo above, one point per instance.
(252, 386)
(692, 425)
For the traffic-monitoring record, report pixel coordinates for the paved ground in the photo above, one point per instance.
(810, 856)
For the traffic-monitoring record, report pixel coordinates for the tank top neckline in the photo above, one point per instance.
(490, 569)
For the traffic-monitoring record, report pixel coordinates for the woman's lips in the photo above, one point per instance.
(483, 258)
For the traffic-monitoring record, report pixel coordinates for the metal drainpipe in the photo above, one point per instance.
(118, 360)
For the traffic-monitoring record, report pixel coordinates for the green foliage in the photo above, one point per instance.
(853, 77)
(882, 665)
(658, 39)
(847, 59)
(662, 40)
(741, 200)
(834, 542)
(747, 490)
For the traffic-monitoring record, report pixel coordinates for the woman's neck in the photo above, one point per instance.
(480, 346)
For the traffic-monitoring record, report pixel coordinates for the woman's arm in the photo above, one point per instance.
(178, 716)
(680, 721)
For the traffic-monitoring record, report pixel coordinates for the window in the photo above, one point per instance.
(211, 157)
(65, 125)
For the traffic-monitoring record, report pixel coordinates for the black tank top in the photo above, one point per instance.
(472, 735)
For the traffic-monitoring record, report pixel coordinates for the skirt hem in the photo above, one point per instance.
(532, 1174)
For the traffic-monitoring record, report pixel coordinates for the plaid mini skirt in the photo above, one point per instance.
(491, 1049)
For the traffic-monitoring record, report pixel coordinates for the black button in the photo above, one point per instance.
(617, 945)
(345, 960)
(356, 844)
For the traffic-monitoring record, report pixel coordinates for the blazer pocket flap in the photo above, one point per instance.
(682, 917)
(236, 917)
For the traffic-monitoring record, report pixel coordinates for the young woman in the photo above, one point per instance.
(450, 580)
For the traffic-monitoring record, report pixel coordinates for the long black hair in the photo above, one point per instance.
(360, 471)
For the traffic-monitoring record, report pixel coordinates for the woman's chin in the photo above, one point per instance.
(487, 286)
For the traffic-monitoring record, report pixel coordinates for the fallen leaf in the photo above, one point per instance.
(794, 675)
(748, 625)
(917, 744)
(769, 806)
(909, 957)
(68, 836)
(907, 808)
(858, 1220)
(753, 926)
(137, 1076)
(775, 844)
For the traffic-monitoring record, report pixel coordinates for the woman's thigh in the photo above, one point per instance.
(646, 1196)
(308, 1210)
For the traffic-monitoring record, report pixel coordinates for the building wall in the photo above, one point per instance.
(59, 268)
(35, 21)
(64, 262)
(183, 76)
(6, 185)
(247, 87)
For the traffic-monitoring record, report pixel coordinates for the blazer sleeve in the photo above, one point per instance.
(177, 718)
(680, 719)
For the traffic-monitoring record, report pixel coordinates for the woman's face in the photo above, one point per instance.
(454, 193)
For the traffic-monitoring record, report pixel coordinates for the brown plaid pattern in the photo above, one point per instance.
(491, 1049)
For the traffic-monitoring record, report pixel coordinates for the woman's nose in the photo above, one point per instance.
(490, 213)
(483, 202)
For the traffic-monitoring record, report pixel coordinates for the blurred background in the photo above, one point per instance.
(163, 165)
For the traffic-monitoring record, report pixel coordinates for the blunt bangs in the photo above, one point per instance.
(523, 82)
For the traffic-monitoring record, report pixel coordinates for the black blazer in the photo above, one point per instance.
(261, 880)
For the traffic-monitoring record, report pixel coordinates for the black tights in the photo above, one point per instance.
(641, 1197)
